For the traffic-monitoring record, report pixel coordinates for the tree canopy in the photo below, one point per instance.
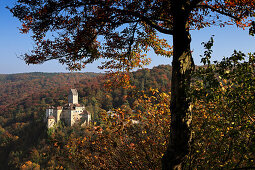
(87, 30)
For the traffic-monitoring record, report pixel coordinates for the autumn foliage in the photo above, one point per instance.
(134, 134)
(78, 32)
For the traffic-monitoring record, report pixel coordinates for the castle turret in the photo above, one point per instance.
(73, 96)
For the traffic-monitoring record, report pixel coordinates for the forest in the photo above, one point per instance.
(24, 98)
(223, 123)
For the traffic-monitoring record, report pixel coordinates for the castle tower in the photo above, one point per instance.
(73, 96)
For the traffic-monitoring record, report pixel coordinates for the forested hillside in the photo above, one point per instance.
(222, 96)
(24, 98)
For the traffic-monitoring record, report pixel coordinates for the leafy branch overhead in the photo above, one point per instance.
(77, 32)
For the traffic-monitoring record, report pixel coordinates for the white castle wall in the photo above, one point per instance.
(70, 114)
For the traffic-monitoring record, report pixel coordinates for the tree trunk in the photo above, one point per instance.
(182, 65)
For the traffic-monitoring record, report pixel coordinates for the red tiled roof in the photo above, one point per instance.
(85, 112)
(59, 107)
(51, 117)
(50, 107)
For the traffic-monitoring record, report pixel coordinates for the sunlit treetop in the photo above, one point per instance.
(77, 32)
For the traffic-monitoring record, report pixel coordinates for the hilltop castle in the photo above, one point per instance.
(71, 113)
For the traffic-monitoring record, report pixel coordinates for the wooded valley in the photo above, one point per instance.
(223, 123)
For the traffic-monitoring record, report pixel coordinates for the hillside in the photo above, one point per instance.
(29, 89)
(24, 98)
(223, 120)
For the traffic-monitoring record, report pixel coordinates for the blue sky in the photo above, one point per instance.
(13, 44)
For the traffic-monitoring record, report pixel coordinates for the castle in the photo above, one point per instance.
(71, 113)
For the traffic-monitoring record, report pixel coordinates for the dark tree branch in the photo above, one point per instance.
(219, 11)
(147, 20)
(194, 3)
